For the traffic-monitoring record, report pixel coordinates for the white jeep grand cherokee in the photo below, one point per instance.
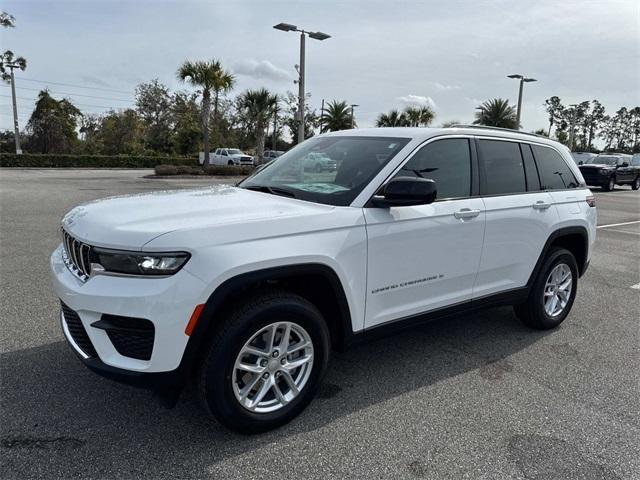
(247, 288)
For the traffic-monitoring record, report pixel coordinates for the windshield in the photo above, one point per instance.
(234, 151)
(602, 160)
(330, 170)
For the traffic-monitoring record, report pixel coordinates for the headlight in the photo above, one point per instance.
(136, 263)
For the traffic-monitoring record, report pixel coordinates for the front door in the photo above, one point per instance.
(421, 258)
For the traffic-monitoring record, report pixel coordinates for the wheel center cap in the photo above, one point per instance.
(273, 365)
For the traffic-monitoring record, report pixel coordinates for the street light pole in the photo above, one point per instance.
(287, 27)
(522, 79)
(16, 129)
(573, 125)
(301, 90)
(353, 106)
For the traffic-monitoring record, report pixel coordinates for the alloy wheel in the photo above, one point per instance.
(557, 290)
(273, 367)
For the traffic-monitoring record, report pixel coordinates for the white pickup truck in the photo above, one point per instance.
(227, 156)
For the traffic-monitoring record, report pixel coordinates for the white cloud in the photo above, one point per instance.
(418, 100)
(445, 88)
(261, 69)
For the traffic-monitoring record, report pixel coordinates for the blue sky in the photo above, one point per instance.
(382, 54)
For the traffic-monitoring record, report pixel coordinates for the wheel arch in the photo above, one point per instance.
(575, 239)
(316, 282)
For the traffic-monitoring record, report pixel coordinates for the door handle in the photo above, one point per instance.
(541, 205)
(466, 213)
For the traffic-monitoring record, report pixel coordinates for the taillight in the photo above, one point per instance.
(591, 200)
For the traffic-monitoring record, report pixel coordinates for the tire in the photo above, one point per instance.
(220, 384)
(636, 184)
(533, 312)
(230, 162)
(610, 185)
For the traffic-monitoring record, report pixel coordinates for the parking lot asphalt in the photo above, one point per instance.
(479, 396)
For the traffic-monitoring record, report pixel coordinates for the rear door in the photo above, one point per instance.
(519, 216)
(425, 257)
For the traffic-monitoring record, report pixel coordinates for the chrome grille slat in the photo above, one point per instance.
(77, 256)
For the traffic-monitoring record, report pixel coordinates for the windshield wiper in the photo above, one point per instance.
(272, 190)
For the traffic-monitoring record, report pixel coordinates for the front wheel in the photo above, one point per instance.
(265, 364)
(552, 293)
(636, 184)
(230, 162)
(610, 185)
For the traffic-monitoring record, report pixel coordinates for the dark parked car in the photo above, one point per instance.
(610, 169)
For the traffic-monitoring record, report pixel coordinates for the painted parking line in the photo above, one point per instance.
(618, 224)
(622, 231)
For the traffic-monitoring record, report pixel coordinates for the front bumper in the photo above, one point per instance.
(166, 302)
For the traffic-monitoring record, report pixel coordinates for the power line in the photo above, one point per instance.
(74, 103)
(68, 93)
(76, 86)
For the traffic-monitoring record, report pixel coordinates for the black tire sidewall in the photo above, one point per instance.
(556, 257)
(635, 185)
(218, 373)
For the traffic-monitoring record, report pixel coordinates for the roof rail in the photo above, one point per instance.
(487, 127)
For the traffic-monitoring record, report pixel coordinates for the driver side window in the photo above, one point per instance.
(447, 162)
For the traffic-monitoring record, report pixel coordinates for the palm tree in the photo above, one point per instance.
(419, 116)
(336, 116)
(260, 106)
(392, 119)
(496, 113)
(209, 76)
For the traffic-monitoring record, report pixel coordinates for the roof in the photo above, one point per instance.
(423, 133)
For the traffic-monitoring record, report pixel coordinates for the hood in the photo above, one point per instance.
(596, 165)
(130, 221)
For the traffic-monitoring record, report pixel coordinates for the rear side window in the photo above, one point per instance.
(555, 174)
(447, 162)
(503, 168)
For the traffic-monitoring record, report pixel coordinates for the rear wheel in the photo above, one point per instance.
(552, 293)
(636, 184)
(265, 364)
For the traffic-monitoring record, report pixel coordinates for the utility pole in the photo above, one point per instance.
(16, 129)
(321, 115)
(275, 134)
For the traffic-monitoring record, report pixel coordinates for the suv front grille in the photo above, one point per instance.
(76, 256)
(77, 331)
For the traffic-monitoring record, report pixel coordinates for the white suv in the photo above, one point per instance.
(247, 288)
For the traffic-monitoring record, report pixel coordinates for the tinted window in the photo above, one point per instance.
(554, 172)
(447, 162)
(530, 170)
(503, 167)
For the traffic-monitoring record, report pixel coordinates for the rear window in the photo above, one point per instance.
(503, 168)
(554, 172)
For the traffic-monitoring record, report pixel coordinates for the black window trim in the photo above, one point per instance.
(475, 184)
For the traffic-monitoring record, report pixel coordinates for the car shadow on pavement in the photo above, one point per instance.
(59, 417)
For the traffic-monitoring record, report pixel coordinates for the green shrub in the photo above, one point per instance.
(166, 170)
(228, 170)
(91, 161)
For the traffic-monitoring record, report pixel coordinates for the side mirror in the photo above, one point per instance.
(624, 164)
(407, 191)
(580, 162)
